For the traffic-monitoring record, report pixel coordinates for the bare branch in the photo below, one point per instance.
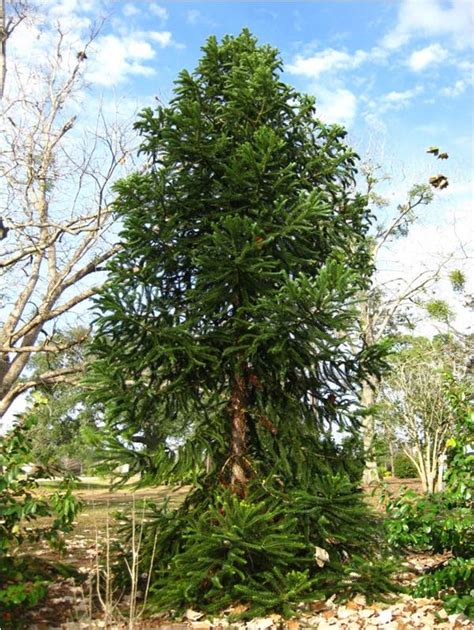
(57, 167)
(53, 377)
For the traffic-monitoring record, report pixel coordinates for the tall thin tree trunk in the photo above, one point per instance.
(370, 474)
(238, 447)
(392, 458)
(440, 476)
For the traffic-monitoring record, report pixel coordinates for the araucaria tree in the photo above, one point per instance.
(227, 320)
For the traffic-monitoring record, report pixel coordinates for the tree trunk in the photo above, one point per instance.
(238, 446)
(370, 474)
(440, 476)
(431, 480)
(392, 458)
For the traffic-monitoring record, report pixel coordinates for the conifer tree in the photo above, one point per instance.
(224, 343)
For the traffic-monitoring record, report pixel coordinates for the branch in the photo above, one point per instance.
(381, 319)
(398, 220)
(42, 318)
(53, 377)
(6, 29)
(47, 346)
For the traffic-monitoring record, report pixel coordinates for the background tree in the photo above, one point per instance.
(61, 410)
(231, 307)
(418, 410)
(56, 169)
(387, 306)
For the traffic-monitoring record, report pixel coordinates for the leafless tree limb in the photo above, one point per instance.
(56, 172)
(381, 304)
(7, 26)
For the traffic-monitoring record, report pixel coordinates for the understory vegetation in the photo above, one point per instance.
(25, 578)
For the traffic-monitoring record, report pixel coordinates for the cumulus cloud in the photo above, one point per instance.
(130, 9)
(433, 54)
(112, 58)
(164, 38)
(67, 7)
(326, 61)
(396, 99)
(430, 18)
(336, 106)
(390, 101)
(116, 58)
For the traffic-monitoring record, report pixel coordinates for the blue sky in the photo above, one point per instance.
(397, 74)
(398, 70)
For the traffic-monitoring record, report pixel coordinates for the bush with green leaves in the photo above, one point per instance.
(270, 551)
(25, 577)
(403, 467)
(444, 521)
(453, 581)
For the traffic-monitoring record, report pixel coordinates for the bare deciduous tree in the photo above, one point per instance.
(57, 164)
(383, 307)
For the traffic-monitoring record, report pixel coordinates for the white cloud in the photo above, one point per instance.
(428, 18)
(164, 38)
(114, 59)
(399, 99)
(432, 54)
(66, 7)
(451, 91)
(158, 10)
(389, 101)
(326, 61)
(138, 49)
(130, 9)
(395, 100)
(336, 106)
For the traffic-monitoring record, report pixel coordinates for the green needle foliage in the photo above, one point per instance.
(225, 347)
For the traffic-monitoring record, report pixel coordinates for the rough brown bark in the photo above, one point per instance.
(238, 446)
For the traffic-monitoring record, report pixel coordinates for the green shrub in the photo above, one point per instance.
(24, 579)
(454, 581)
(443, 522)
(217, 549)
(403, 467)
